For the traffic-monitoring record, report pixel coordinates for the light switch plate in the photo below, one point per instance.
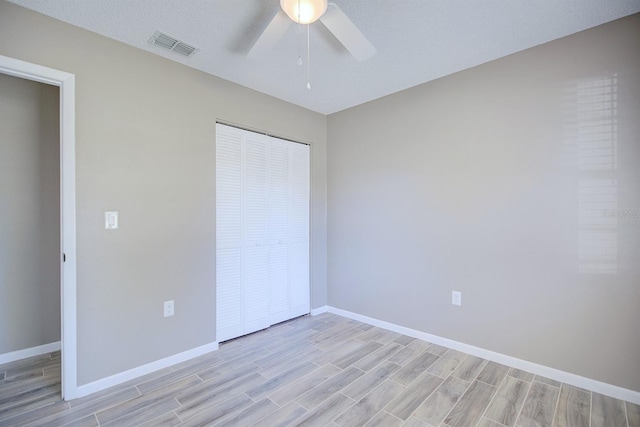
(111, 220)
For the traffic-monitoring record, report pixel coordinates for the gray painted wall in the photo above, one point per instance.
(486, 182)
(145, 135)
(30, 214)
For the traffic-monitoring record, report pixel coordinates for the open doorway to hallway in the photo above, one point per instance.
(30, 233)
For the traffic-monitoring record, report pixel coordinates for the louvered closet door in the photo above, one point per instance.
(229, 298)
(262, 231)
(299, 230)
(256, 233)
(279, 195)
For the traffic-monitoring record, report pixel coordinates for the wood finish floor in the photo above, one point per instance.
(316, 371)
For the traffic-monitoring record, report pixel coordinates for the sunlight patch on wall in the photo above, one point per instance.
(594, 130)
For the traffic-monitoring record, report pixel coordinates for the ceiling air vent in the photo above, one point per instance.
(171, 43)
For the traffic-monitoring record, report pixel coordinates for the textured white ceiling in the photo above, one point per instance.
(417, 40)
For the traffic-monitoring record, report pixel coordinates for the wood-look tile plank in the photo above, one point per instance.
(539, 406)
(323, 391)
(439, 404)
(350, 335)
(485, 422)
(216, 376)
(493, 373)
(13, 391)
(250, 414)
(76, 413)
(574, 407)
(239, 362)
(283, 416)
(633, 414)
(355, 355)
(409, 400)
(25, 418)
(30, 403)
(380, 335)
(287, 394)
(24, 362)
(469, 368)
(607, 411)
(323, 326)
(471, 405)
(331, 354)
(339, 332)
(546, 380)
(296, 337)
(194, 399)
(212, 357)
(416, 422)
(384, 419)
(284, 363)
(139, 405)
(521, 375)
(403, 340)
(508, 401)
(285, 351)
(281, 380)
(151, 411)
(370, 380)
(4, 381)
(31, 370)
(436, 349)
(324, 413)
(168, 419)
(374, 359)
(211, 414)
(405, 355)
(131, 384)
(447, 363)
(367, 407)
(408, 373)
(88, 421)
(173, 376)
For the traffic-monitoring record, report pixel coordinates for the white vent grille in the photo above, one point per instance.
(171, 43)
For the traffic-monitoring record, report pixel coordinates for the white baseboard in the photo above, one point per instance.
(545, 371)
(319, 310)
(104, 383)
(29, 352)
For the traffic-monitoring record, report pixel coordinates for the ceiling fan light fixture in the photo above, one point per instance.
(309, 10)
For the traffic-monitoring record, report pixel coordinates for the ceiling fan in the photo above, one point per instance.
(307, 12)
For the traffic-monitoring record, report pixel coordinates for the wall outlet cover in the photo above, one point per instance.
(456, 298)
(169, 308)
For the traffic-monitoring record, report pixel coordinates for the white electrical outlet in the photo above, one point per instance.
(169, 308)
(456, 298)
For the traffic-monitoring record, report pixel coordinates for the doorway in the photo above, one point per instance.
(66, 84)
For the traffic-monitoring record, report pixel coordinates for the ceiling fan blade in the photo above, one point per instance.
(347, 33)
(271, 35)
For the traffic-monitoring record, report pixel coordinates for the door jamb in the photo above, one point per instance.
(66, 82)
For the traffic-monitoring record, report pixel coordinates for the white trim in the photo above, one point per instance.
(66, 82)
(555, 374)
(29, 352)
(318, 311)
(113, 380)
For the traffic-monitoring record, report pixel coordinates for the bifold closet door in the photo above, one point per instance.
(262, 226)
(229, 195)
(299, 231)
(279, 215)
